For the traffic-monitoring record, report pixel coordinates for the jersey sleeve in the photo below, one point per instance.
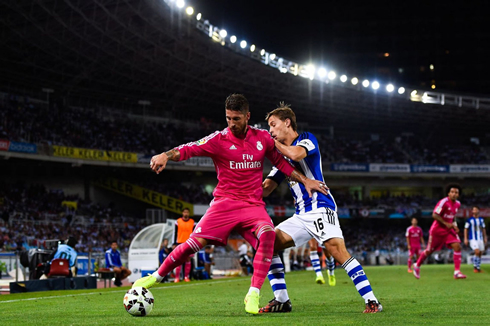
(440, 208)
(203, 147)
(482, 222)
(467, 225)
(276, 158)
(309, 143)
(407, 233)
(276, 175)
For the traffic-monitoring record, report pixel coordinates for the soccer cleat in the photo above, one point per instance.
(176, 280)
(252, 303)
(416, 271)
(331, 280)
(117, 282)
(320, 280)
(186, 279)
(409, 270)
(276, 306)
(146, 282)
(459, 275)
(373, 307)
(477, 270)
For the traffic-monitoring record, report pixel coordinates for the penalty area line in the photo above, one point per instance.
(115, 291)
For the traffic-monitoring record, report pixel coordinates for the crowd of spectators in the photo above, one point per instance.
(108, 129)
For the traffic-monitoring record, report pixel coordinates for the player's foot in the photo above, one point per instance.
(146, 282)
(320, 280)
(276, 306)
(176, 280)
(459, 275)
(331, 280)
(477, 270)
(252, 303)
(409, 270)
(416, 271)
(373, 307)
(186, 279)
(117, 282)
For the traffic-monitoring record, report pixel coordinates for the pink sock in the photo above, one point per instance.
(421, 259)
(179, 255)
(457, 260)
(409, 262)
(263, 257)
(178, 270)
(187, 268)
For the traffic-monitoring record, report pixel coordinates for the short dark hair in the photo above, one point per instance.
(237, 102)
(186, 208)
(474, 206)
(453, 185)
(72, 241)
(284, 112)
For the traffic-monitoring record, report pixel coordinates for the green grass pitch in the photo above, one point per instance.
(434, 299)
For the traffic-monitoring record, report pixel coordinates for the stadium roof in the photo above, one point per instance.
(118, 52)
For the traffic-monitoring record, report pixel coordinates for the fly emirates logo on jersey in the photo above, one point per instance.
(247, 163)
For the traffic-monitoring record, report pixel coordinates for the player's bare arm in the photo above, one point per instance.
(295, 153)
(408, 243)
(159, 162)
(309, 184)
(466, 237)
(439, 219)
(268, 186)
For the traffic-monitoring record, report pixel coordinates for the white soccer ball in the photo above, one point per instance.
(138, 301)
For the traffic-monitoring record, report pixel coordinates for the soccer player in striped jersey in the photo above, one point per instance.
(444, 231)
(476, 235)
(315, 217)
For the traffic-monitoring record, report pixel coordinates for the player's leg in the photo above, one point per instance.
(315, 261)
(187, 268)
(456, 246)
(434, 243)
(410, 260)
(477, 261)
(331, 267)
(336, 246)
(117, 273)
(125, 272)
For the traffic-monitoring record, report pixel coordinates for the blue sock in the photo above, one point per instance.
(357, 275)
(277, 281)
(315, 262)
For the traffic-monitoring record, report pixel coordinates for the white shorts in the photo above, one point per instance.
(321, 224)
(477, 244)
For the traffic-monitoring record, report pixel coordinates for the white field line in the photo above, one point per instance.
(92, 293)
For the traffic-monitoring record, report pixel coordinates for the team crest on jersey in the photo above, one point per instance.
(198, 230)
(259, 146)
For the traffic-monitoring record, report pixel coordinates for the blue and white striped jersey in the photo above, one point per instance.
(475, 228)
(311, 166)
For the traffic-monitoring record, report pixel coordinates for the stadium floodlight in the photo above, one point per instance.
(390, 88)
(322, 72)
(199, 16)
(272, 56)
(401, 90)
(365, 83)
(233, 39)
(354, 81)
(243, 44)
(413, 93)
(262, 52)
(223, 33)
(431, 67)
(310, 71)
(375, 85)
(189, 11)
(180, 4)
(343, 78)
(433, 86)
(332, 75)
(283, 70)
(252, 48)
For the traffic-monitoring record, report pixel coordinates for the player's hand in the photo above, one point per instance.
(456, 228)
(465, 242)
(315, 185)
(158, 162)
(448, 225)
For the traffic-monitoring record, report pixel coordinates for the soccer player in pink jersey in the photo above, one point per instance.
(444, 231)
(415, 237)
(238, 153)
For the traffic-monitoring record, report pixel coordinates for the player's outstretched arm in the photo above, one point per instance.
(159, 162)
(295, 153)
(268, 186)
(310, 184)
